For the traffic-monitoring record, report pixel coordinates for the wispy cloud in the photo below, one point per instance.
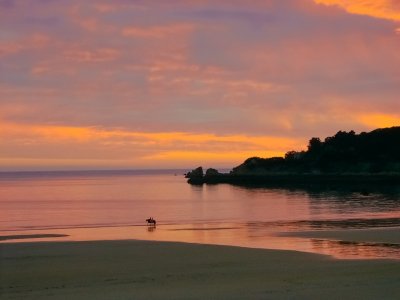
(159, 32)
(161, 149)
(378, 120)
(385, 9)
(97, 55)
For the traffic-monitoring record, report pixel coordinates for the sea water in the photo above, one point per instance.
(100, 205)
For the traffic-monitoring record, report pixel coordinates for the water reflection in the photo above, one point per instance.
(115, 205)
(151, 228)
(344, 201)
(251, 235)
(302, 225)
(333, 202)
(356, 250)
(322, 190)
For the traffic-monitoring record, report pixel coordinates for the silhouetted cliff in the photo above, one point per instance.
(344, 155)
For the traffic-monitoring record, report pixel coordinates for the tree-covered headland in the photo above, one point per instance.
(344, 154)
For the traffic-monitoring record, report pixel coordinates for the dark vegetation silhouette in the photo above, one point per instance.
(344, 154)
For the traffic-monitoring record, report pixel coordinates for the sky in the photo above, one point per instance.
(141, 84)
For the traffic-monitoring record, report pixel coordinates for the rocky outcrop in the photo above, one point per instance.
(211, 172)
(198, 172)
(197, 176)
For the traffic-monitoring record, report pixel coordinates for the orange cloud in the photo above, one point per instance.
(384, 9)
(198, 157)
(134, 148)
(90, 134)
(376, 120)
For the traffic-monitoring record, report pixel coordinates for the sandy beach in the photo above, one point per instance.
(164, 270)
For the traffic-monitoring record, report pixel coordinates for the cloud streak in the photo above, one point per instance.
(385, 9)
(136, 149)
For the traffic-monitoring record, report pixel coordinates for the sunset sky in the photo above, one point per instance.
(180, 83)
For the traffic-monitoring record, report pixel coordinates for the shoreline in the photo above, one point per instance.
(363, 180)
(389, 234)
(30, 236)
(343, 244)
(170, 270)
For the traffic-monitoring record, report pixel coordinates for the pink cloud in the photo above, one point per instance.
(9, 48)
(92, 56)
(32, 42)
(158, 32)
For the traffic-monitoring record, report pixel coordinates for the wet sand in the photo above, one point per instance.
(163, 270)
(29, 236)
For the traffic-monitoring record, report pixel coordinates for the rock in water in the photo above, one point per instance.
(212, 172)
(196, 176)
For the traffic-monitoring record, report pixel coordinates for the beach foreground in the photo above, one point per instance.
(162, 270)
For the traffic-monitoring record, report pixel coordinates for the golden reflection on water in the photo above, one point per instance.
(356, 250)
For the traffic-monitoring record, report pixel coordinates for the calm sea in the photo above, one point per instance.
(88, 205)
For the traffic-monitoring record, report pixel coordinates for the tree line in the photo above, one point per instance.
(377, 151)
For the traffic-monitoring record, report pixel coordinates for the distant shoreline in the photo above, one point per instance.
(298, 179)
